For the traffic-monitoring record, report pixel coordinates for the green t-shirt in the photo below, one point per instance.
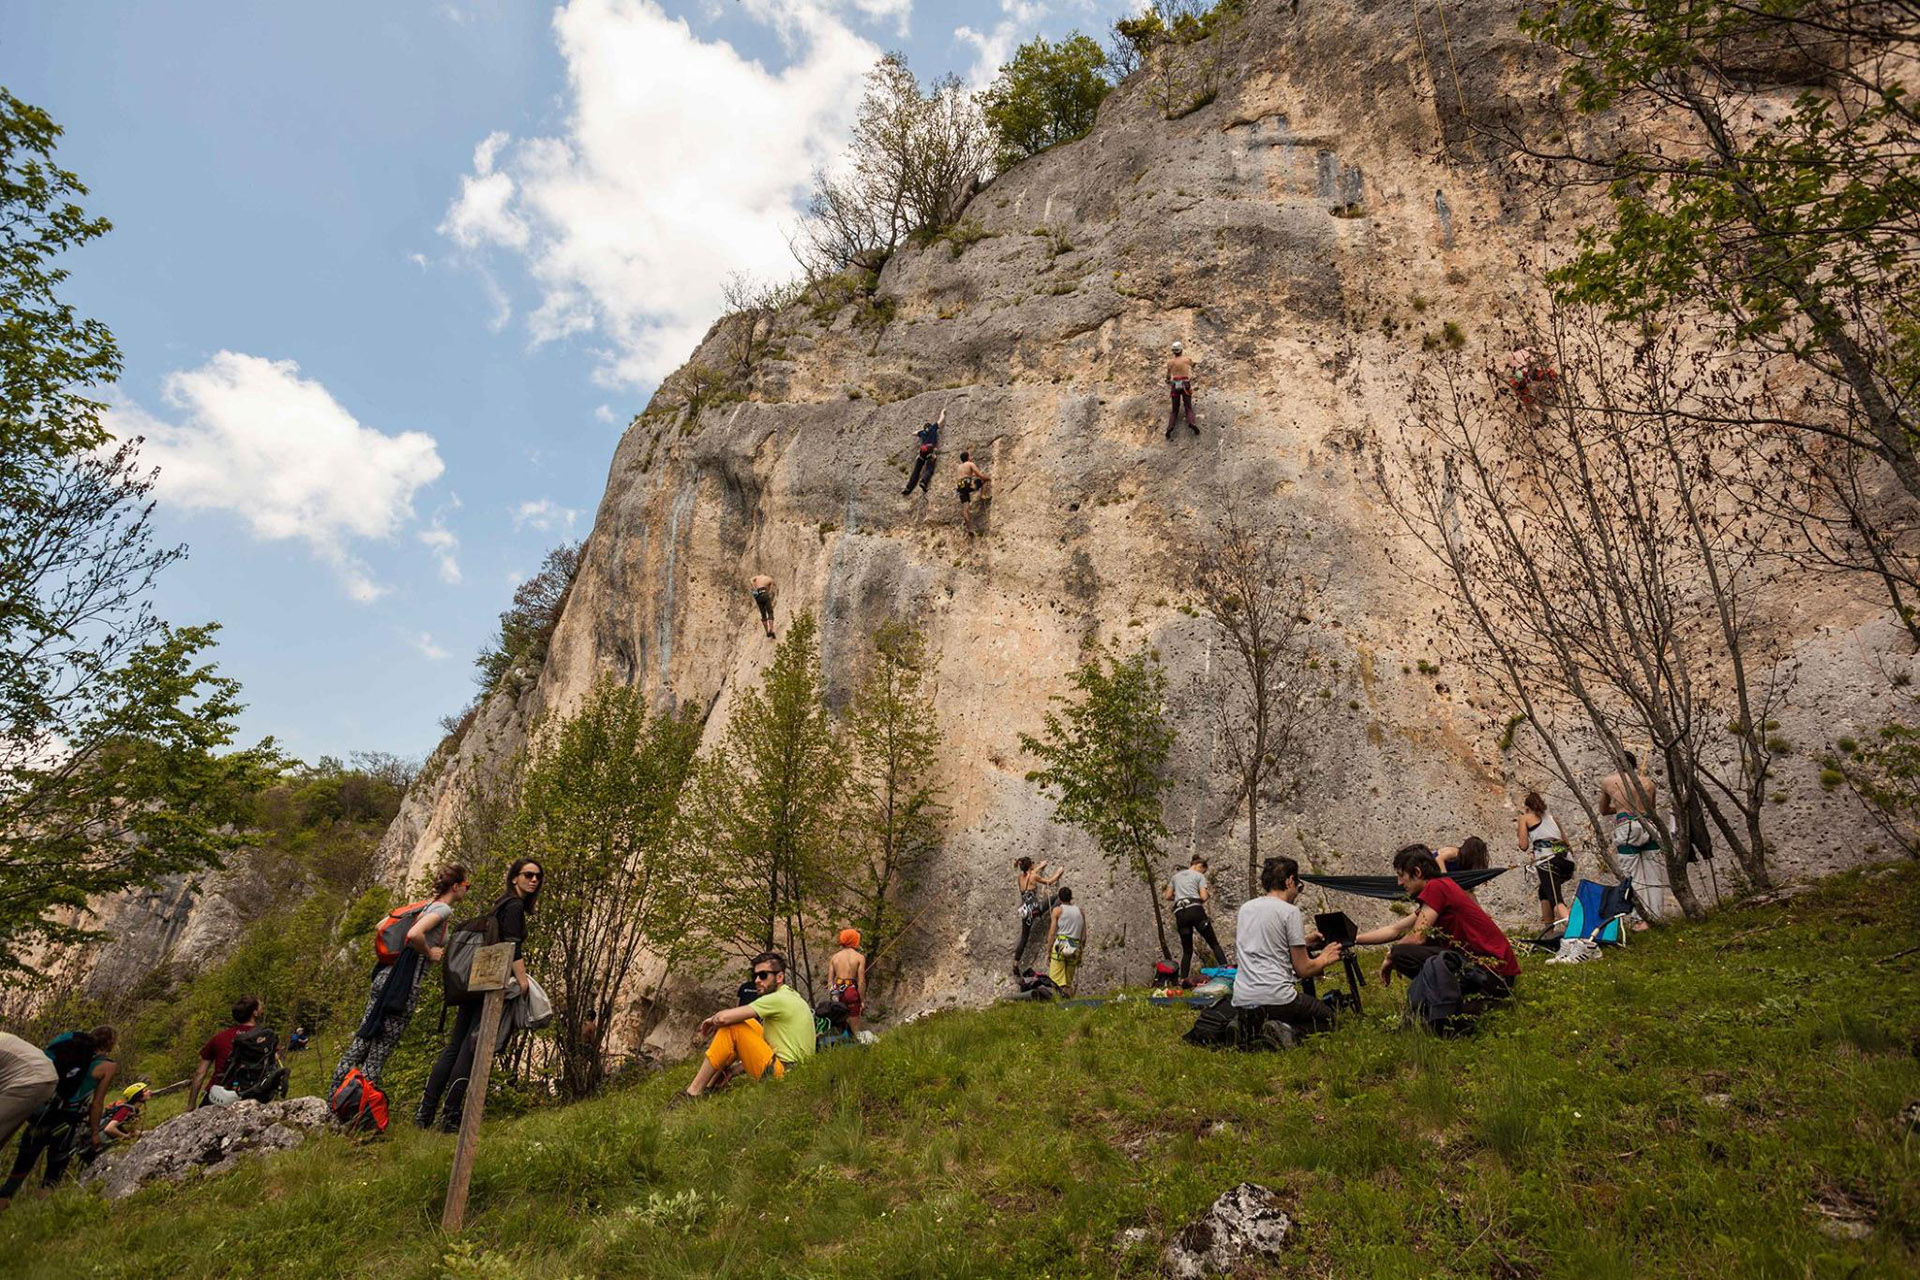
(789, 1023)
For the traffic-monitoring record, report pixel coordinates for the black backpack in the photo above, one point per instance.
(1217, 1026)
(72, 1055)
(464, 941)
(251, 1070)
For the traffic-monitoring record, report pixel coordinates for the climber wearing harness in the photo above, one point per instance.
(972, 480)
(762, 588)
(1180, 383)
(926, 450)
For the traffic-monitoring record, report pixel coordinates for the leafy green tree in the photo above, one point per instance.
(894, 815)
(527, 627)
(109, 722)
(1047, 95)
(599, 808)
(767, 805)
(1104, 762)
(1797, 226)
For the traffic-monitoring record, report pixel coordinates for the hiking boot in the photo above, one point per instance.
(1277, 1033)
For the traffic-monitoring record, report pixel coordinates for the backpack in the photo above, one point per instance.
(72, 1053)
(358, 1104)
(251, 1071)
(1435, 997)
(1038, 986)
(464, 941)
(390, 938)
(1217, 1026)
(1164, 973)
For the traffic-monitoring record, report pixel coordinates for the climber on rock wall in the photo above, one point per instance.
(1180, 383)
(972, 480)
(927, 449)
(762, 588)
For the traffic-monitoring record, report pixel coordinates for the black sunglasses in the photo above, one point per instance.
(765, 973)
(529, 875)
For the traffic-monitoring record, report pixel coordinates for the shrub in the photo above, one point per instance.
(1048, 94)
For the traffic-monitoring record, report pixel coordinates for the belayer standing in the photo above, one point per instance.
(69, 1122)
(407, 943)
(926, 450)
(1189, 893)
(847, 977)
(1180, 383)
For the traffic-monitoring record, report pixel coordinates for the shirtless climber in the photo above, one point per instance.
(972, 480)
(762, 588)
(1180, 383)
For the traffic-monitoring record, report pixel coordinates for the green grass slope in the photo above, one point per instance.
(1726, 1099)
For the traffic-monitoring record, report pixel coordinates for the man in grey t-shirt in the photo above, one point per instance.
(1272, 941)
(1188, 893)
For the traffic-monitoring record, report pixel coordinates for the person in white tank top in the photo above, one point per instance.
(1547, 854)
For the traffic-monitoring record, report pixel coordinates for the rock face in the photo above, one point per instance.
(1245, 1227)
(1300, 234)
(210, 1140)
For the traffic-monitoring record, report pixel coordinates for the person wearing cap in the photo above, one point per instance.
(1180, 382)
(847, 976)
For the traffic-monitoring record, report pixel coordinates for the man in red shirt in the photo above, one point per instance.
(1448, 914)
(215, 1052)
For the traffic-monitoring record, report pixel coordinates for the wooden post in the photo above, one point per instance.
(490, 967)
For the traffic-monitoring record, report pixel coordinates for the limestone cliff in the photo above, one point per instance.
(1299, 233)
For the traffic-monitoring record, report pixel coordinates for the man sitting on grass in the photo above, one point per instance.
(1447, 910)
(775, 1030)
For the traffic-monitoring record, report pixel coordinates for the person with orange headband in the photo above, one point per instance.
(847, 976)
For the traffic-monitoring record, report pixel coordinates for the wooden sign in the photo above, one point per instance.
(490, 967)
(454, 1215)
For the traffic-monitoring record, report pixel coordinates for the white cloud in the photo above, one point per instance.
(423, 642)
(255, 438)
(681, 161)
(545, 515)
(604, 413)
(444, 544)
(418, 259)
(1020, 21)
(482, 213)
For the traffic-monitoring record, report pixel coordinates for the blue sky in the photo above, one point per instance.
(390, 277)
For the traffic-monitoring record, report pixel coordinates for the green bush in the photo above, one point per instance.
(1048, 94)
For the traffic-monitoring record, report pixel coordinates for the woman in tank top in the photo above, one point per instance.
(1547, 854)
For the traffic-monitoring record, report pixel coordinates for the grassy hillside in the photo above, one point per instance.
(1702, 1104)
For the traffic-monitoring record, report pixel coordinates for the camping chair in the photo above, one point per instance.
(1598, 913)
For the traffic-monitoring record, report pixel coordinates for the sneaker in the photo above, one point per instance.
(681, 1098)
(1277, 1033)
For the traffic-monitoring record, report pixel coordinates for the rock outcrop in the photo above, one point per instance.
(211, 1140)
(1245, 1227)
(1301, 233)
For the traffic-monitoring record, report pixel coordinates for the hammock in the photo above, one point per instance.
(1388, 889)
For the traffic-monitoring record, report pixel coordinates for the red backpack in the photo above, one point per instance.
(358, 1104)
(390, 938)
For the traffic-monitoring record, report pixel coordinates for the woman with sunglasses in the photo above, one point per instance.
(455, 1064)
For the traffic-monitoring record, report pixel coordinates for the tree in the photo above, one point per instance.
(599, 808)
(1104, 762)
(894, 815)
(766, 806)
(527, 627)
(752, 307)
(1256, 597)
(109, 723)
(145, 790)
(1048, 94)
(1797, 225)
(1611, 593)
(912, 164)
